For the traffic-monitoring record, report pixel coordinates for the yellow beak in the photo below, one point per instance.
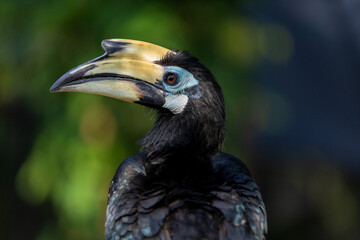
(127, 71)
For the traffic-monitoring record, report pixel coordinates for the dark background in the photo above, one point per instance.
(290, 73)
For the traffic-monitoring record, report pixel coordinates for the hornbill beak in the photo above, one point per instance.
(127, 71)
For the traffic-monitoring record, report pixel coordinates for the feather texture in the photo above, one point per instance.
(223, 202)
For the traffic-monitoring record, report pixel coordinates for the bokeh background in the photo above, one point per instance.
(290, 72)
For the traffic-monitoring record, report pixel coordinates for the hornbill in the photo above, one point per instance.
(181, 186)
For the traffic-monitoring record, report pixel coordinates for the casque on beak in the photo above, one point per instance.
(127, 71)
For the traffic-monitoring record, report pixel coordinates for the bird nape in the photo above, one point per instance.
(181, 186)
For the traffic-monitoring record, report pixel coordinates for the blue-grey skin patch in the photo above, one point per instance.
(186, 81)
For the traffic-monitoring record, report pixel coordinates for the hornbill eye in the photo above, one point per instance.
(171, 79)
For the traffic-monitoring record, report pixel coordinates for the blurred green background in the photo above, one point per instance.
(289, 72)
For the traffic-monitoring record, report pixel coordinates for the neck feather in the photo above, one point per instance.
(184, 134)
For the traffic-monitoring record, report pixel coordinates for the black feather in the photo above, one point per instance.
(215, 204)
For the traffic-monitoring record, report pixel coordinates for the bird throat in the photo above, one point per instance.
(182, 135)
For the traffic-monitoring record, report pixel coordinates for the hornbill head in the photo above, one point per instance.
(188, 100)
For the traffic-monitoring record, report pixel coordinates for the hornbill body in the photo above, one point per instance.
(180, 186)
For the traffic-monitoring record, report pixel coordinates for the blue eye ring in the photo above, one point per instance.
(171, 79)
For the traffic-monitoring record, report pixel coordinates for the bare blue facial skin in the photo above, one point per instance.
(186, 81)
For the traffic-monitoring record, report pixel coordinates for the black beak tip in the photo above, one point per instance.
(57, 85)
(53, 89)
